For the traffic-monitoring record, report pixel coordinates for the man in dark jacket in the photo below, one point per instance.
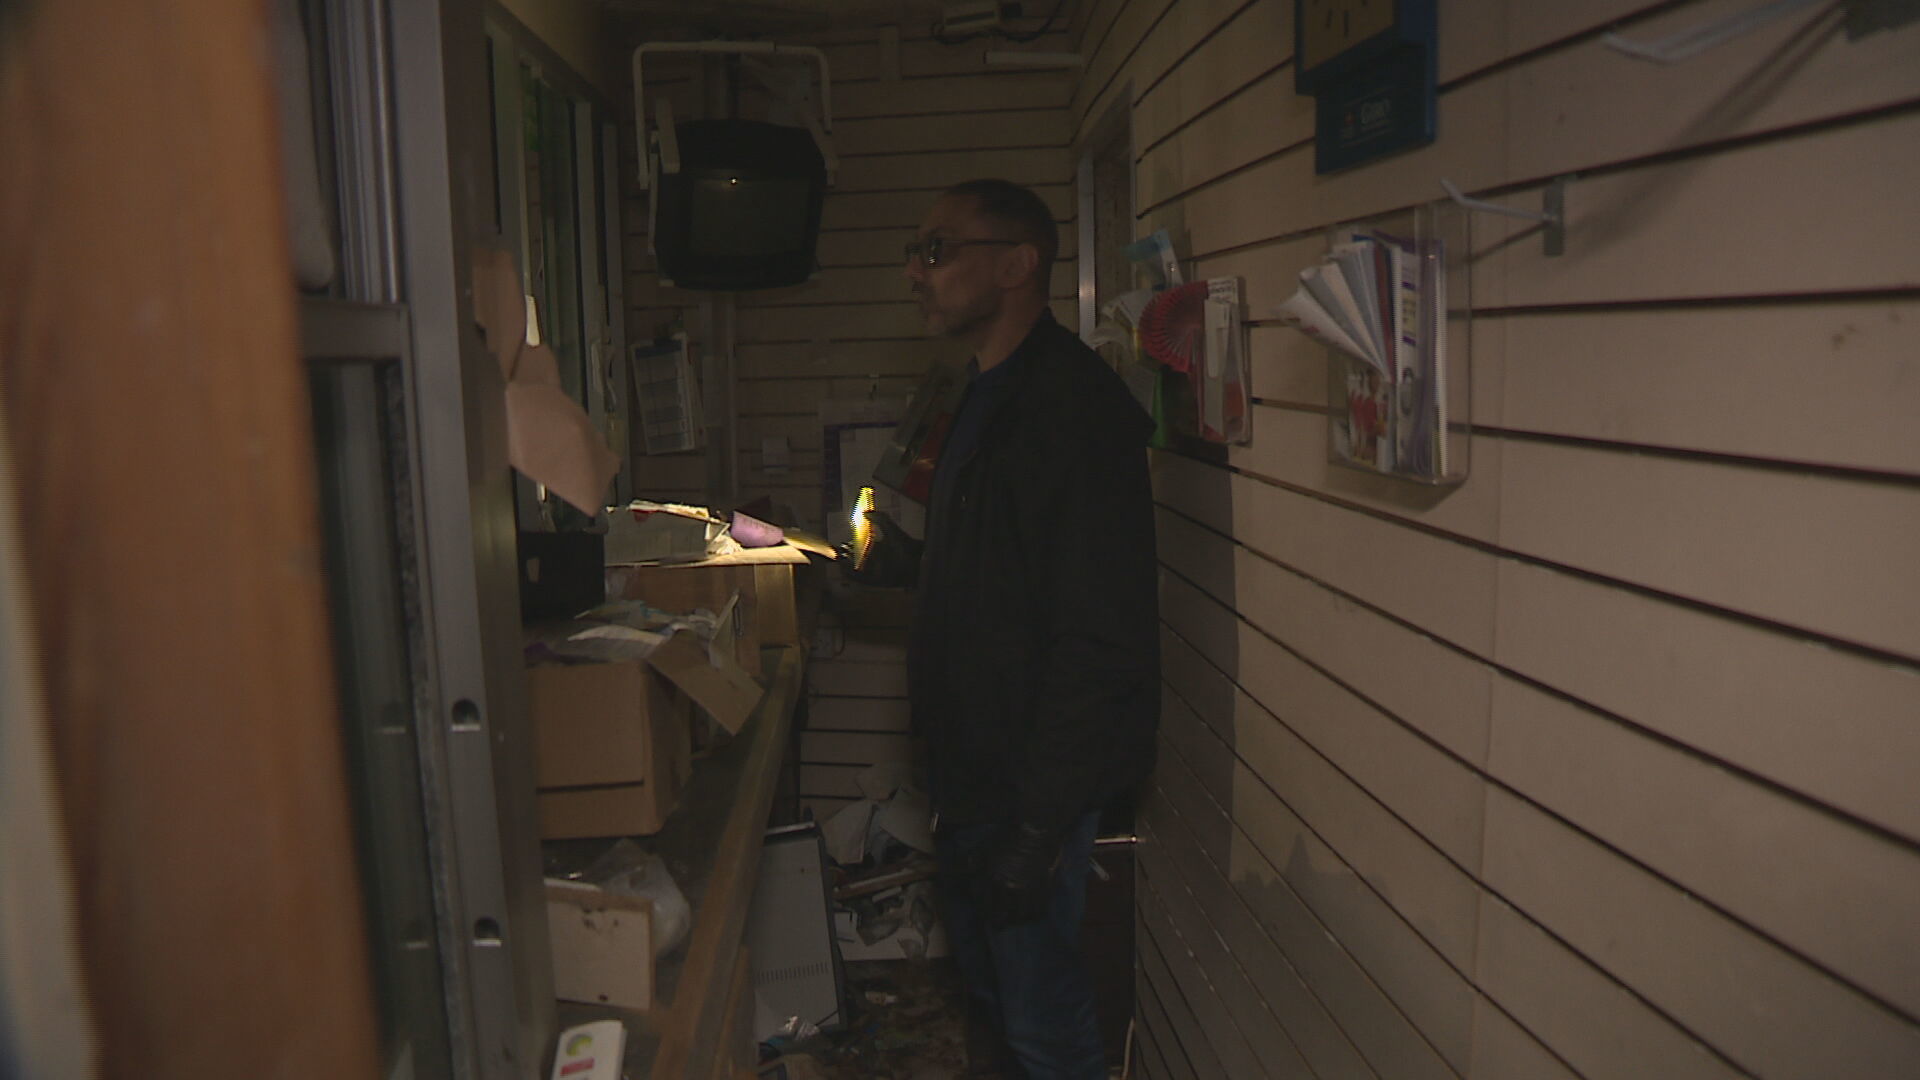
(1034, 661)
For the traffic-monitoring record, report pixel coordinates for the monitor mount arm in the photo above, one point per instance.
(668, 145)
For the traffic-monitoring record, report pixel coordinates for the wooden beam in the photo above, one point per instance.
(159, 420)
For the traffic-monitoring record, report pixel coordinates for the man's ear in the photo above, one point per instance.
(1021, 264)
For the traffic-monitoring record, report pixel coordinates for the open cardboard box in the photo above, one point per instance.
(612, 741)
(761, 577)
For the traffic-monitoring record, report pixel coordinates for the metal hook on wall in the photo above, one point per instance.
(1552, 216)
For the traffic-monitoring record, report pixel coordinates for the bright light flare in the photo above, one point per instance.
(861, 528)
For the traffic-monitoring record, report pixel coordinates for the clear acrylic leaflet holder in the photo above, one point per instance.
(1407, 414)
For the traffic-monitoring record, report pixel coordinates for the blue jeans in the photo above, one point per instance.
(1031, 977)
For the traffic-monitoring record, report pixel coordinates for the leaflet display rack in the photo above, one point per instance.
(1392, 301)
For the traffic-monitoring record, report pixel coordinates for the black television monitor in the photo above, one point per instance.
(743, 212)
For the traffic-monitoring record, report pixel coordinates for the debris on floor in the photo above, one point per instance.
(882, 848)
(908, 1022)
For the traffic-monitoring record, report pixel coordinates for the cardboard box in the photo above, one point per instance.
(612, 747)
(602, 946)
(613, 741)
(763, 578)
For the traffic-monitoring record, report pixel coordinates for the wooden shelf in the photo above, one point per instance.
(712, 844)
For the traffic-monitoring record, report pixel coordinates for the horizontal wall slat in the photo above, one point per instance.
(1433, 996)
(1769, 1012)
(1829, 723)
(1838, 563)
(1732, 690)
(1324, 1047)
(1434, 896)
(1593, 1021)
(1502, 1050)
(1435, 583)
(871, 748)
(1150, 1030)
(959, 131)
(1126, 30)
(758, 395)
(1445, 694)
(935, 171)
(952, 94)
(867, 210)
(1211, 1005)
(858, 714)
(1435, 794)
(1721, 837)
(1588, 103)
(1227, 968)
(1254, 39)
(1640, 234)
(907, 358)
(856, 62)
(823, 809)
(841, 678)
(830, 781)
(1749, 830)
(1782, 383)
(1188, 1045)
(1187, 783)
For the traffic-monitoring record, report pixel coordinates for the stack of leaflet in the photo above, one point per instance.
(1380, 302)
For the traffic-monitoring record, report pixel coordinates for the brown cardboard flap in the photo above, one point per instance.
(727, 692)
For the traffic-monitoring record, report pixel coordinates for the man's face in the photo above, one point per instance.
(963, 293)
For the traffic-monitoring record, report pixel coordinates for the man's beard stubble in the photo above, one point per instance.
(964, 322)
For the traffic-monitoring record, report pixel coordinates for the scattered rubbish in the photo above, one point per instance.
(882, 847)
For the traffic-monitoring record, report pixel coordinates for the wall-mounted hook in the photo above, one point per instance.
(1677, 47)
(1552, 216)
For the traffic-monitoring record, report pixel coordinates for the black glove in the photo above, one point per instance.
(893, 557)
(1013, 876)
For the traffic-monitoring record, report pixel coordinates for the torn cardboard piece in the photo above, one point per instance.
(550, 438)
(726, 691)
(602, 945)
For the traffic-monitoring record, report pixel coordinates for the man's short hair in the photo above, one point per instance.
(1024, 215)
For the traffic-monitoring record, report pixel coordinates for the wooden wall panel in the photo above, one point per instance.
(937, 96)
(1837, 564)
(1767, 1011)
(1596, 1025)
(1210, 1005)
(1830, 723)
(1780, 382)
(1233, 53)
(1721, 837)
(856, 62)
(1045, 128)
(1531, 755)
(896, 172)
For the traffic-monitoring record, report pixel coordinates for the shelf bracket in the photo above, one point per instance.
(1552, 215)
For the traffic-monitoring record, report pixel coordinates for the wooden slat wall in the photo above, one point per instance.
(852, 333)
(857, 697)
(1604, 764)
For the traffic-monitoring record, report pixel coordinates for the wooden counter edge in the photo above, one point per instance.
(690, 1034)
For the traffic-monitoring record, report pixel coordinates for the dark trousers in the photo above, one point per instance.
(1031, 977)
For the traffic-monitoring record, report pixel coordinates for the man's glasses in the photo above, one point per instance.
(937, 250)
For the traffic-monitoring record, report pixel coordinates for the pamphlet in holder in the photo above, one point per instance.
(1391, 300)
